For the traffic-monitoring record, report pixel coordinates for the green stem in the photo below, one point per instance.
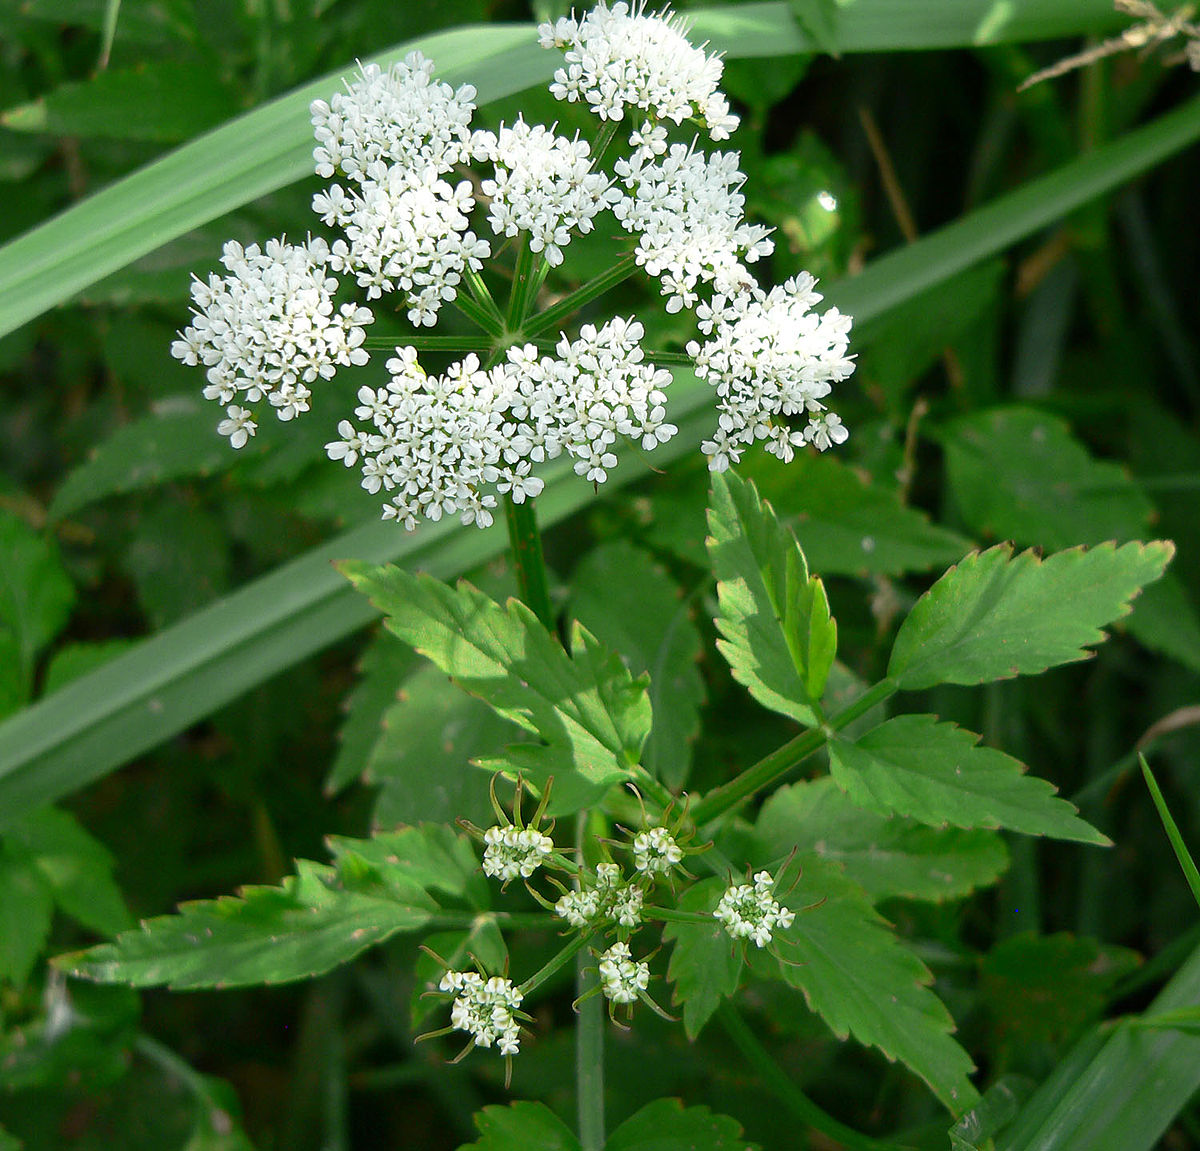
(510, 920)
(431, 343)
(479, 316)
(528, 278)
(560, 960)
(483, 297)
(781, 1085)
(670, 915)
(526, 543)
(776, 765)
(584, 294)
(589, 1038)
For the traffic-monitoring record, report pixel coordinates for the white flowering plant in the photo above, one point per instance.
(436, 309)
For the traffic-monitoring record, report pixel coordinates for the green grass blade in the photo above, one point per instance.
(272, 145)
(905, 272)
(1121, 1087)
(1181, 852)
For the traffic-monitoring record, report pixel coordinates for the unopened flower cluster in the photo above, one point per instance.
(396, 145)
(751, 911)
(487, 1009)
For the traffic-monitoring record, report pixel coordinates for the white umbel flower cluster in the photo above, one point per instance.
(510, 852)
(618, 58)
(687, 210)
(655, 851)
(544, 185)
(753, 912)
(770, 356)
(485, 1009)
(446, 445)
(404, 232)
(269, 329)
(402, 117)
(622, 978)
(597, 391)
(608, 898)
(396, 134)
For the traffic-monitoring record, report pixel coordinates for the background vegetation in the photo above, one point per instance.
(1021, 267)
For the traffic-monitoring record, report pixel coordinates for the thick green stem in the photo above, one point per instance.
(781, 1085)
(589, 1038)
(526, 543)
(776, 765)
(584, 294)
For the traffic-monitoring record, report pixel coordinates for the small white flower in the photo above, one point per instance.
(239, 427)
(621, 977)
(510, 851)
(752, 912)
(655, 851)
(609, 897)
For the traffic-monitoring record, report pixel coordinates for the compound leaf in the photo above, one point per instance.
(302, 928)
(995, 615)
(592, 716)
(631, 605)
(938, 774)
(888, 857)
(861, 980)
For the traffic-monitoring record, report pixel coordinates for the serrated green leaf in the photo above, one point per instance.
(938, 774)
(705, 964)
(632, 606)
(846, 524)
(861, 980)
(177, 441)
(779, 638)
(265, 935)
(591, 715)
(429, 858)
(385, 665)
(422, 758)
(995, 615)
(76, 868)
(887, 857)
(35, 594)
(521, 1126)
(1018, 474)
(666, 1125)
(163, 100)
(26, 910)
